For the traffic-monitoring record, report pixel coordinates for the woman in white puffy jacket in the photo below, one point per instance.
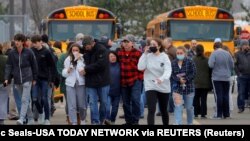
(75, 84)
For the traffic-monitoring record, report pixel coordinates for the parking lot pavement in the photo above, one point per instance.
(59, 117)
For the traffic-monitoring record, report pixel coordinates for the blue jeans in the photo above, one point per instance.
(143, 102)
(18, 99)
(113, 106)
(244, 91)
(188, 102)
(95, 94)
(40, 89)
(131, 102)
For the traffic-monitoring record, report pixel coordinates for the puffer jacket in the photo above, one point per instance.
(22, 66)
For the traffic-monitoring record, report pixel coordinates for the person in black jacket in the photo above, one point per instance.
(45, 78)
(97, 78)
(21, 63)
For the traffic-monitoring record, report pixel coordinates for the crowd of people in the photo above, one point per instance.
(89, 74)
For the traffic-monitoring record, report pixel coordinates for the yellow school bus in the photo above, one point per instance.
(63, 24)
(201, 23)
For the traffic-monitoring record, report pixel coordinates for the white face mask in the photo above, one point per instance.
(76, 55)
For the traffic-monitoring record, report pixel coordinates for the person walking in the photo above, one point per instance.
(183, 74)
(157, 71)
(97, 76)
(22, 65)
(131, 80)
(202, 82)
(75, 84)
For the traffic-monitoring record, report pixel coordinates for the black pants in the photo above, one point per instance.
(162, 98)
(200, 102)
(221, 90)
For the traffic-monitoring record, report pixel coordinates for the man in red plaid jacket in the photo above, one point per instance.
(131, 80)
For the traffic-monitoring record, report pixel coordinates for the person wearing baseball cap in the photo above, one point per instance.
(97, 78)
(131, 80)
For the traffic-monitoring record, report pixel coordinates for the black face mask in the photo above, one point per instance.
(153, 49)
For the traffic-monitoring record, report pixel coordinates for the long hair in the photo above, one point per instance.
(200, 51)
(72, 57)
(159, 42)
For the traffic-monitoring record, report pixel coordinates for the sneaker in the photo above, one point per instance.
(19, 122)
(203, 117)
(241, 111)
(83, 122)
(107, 122)
(46, 122)
(158, 114)
(41, 119)
(13, 118)
(31, 122)
(121, 116)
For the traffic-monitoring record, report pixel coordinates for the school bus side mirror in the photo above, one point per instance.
(238, 30)
(119, 30)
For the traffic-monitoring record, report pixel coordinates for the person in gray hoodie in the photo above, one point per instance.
(222, 65)
(242, 69)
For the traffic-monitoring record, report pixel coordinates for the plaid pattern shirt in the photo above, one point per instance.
(187, 71)
(129, 70)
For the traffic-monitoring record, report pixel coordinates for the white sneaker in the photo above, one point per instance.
(31, 122)
(83, 122)
(19, 122)
(46, 122)
(41, 119)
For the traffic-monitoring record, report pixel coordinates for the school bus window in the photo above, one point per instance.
(62, 28)
(199, 30)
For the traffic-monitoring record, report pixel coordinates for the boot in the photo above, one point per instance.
(78, 119)
(68, 121)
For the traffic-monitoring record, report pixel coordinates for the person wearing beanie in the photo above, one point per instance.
(242, 69)
(221, 63)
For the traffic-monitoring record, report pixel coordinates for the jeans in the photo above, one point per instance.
(131, 102)
(112, 107)
(24, 91)
(143, 102)
(188, 102)
(95, 94)
(152, 98)
(18, 99)
(40, 89)
(244, 91)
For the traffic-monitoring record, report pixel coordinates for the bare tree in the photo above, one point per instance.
(36, 12)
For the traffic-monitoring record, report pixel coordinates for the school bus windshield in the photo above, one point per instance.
(201, 30)
(63, 30)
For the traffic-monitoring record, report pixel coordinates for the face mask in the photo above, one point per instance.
(76, 54)
(153, 49)
(180, 57)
